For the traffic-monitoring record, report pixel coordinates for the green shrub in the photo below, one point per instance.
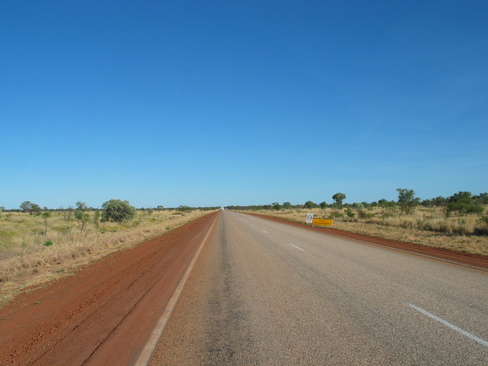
(118, 211)
(362, 214)
(464, 207)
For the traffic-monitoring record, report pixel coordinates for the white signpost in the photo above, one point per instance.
(309, 218)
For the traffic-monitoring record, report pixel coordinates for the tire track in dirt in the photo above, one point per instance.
(105, 312)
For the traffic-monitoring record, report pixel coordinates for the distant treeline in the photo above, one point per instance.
(461, 201)
(33, 208)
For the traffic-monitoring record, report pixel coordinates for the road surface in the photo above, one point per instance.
(266, 293)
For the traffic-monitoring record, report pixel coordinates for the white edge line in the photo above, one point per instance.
(147, 351)
(293, 245)
(447, 324)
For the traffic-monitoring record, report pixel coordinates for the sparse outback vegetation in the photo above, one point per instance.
(458, 222)
(426, 225)
(38, 248)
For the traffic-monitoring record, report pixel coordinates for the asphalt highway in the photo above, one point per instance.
(266, 293)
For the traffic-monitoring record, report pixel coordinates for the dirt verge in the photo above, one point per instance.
(103, 314)
(474, 260)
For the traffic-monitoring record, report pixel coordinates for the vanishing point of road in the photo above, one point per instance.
(266, 293)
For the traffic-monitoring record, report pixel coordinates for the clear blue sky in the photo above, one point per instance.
(206, 103)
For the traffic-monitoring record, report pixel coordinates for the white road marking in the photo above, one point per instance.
(265, 231)
(145, 356)
(447, 324)
(293, 245)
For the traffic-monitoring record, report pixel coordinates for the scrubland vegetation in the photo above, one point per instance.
(458, 222)
(36, 247)
(426, 226)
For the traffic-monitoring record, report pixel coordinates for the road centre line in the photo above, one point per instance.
(447, 324)
(293, 245)
(265, 231)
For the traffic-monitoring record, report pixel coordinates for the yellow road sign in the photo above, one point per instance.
(323, 222)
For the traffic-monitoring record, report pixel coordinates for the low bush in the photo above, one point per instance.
(118, 211)
(363, 214)
(464, 208)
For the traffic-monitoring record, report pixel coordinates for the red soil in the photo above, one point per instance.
(104, 313)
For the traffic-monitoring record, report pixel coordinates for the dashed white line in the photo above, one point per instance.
(265, 231)
(447, 324)
(293, 245)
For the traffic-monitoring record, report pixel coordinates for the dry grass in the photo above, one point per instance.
(27, 258)
(426, 226)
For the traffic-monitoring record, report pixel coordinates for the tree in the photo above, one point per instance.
(36, 209)
(81, 206)
(81, 216)
(440, 201)
(339, 197)
(26, 206)
(286, 205)
(276, 206)
(463, 196)
(483, 198)
(118, 210)
(323, 205)
(309, 204)
(45, 216)
(407, 200)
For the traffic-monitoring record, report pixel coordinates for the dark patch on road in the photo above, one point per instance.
(228, 321)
